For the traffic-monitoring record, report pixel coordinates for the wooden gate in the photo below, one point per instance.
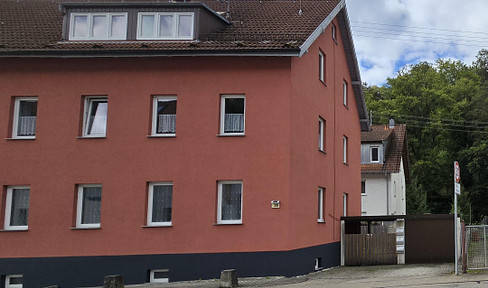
(370, 249)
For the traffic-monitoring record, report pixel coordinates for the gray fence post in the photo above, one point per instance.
(228, 278)
(113, 281)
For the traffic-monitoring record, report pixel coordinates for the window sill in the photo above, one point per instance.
(91, 137)
(231, 135)
(15, 230)
(323, 82)
(345, 163)
(158, 226)
(345, 106)
(162, 136)
(322, 151)
(224, 224)
(321, 221)
(17, 138)
(85, 228)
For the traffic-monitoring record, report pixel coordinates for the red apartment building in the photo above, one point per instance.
(167, 141)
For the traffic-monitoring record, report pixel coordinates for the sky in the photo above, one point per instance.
(389, 34)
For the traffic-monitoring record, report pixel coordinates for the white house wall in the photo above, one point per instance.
(374, 201)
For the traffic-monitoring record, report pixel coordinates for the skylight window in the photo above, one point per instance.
(98, 26)
(165, 26)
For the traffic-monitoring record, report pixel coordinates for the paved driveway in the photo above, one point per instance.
(424, 276)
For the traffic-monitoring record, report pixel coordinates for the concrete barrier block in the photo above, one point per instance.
(228, 278)
(113, 281)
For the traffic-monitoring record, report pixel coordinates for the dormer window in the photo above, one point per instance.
(375, 156)
(98, 26)
(165, 26)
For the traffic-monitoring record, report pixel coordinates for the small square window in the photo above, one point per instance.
(160, 204)
(159, 276)
(14, 281)
(232, 116)
(321, 66)
(25, 118)
(344, 93)
(321, 207)
(17, 208)
(375, 156)
(229, 210)
(164, 116)
(95, 117)
(89, 206)
(344, 149)
(321, 134)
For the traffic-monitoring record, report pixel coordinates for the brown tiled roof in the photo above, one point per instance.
(396, 148)
(257, 25)
(377, 133)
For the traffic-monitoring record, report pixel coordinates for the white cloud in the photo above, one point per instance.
(389, 34)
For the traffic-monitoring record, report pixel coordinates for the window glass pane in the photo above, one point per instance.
(166, 26)
(231, 201)
(320, 204)
(185, 26)
(363, 187)
(20, 207)
(162, 203)
(97, 117)
(99, 26)
(26, 125)
(166, 116)
(234, 115)
(118, 26)
(374, 154)
(80, 28)
(92, 199)
(15, 280)
(147, 28)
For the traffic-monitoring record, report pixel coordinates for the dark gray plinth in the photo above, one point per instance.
(228, 278)
(113, 281)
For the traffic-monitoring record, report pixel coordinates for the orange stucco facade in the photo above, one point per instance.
(276, 159)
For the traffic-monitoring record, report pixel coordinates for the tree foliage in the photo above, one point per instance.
(445, 107)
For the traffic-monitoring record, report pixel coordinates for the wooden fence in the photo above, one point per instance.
(370, 249)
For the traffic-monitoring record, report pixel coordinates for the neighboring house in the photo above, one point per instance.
(168, 141)
(384, 170)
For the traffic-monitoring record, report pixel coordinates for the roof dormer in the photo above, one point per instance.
(133, 21)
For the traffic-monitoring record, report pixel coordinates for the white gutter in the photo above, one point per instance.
(321, 28)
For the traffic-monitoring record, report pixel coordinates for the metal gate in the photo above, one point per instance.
(476, 247)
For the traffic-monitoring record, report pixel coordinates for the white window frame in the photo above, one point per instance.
(334, 32)
(15, 130)
(79, 208)
(219, 203)
(90, 26)
(7, 280)
(8, 209)
(89, 100)
(371, 154)
(321, 134)
(321, 205)
(344, 92)
(344, 149)
(158, 280)
(154, 127)
(321, 66)
(222, 115)
(150, 200)
(157, 25)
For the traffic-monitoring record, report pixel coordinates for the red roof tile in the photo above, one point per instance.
(258, 25)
